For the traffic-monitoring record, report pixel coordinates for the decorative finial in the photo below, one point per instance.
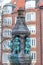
(21, 12)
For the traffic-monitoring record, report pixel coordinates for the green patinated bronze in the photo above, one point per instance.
(27, 45)
(16, 44)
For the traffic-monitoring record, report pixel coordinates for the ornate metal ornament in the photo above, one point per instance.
(20, 43)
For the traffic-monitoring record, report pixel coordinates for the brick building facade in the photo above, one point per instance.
(34, 21)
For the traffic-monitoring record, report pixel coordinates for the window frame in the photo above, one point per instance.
(7, 20)
(33, 45)
(7, 32)
(4, 59)
(34, 56)
(30, 29)
(6, 42)
(31, 15)
(6, 10)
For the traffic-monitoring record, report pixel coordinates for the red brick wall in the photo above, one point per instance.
(38, 38)
(42, 32)
(19, 3)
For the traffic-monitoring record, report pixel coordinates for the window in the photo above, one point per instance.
(5, 58)
(30, 16)
(7, 10)
(32, 29)
(30, 4)
(33, 42)
(33, 54)
(6, 44)
(7, 33)
(7, 21)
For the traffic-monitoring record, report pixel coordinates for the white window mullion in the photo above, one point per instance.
(7, 33)
(30, 16)
(33, 54)
(7, 21)
(33, 42)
